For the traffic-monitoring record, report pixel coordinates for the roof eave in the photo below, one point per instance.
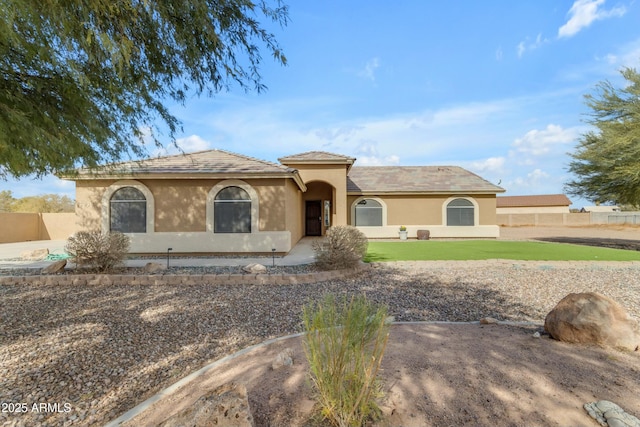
(420, 193)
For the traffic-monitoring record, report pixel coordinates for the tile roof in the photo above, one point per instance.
(417, 179)
(536, 200)
(202, 162)
(317, 156)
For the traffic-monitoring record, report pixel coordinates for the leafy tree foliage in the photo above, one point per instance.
(607, 160)
(6, 201)
(83, 82)
(42, 203)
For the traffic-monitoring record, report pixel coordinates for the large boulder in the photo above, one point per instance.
(254, 268)
(593, 318)
(55, 267)
(227, 405)
(35, 255)
(154, 267)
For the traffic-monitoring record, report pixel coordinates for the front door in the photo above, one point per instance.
(313, 218)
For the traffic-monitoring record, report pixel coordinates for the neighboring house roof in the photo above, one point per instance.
(532, 201)
(417, 179)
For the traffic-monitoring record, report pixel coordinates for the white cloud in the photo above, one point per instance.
(368, 155)
(193, 143)
(583, 13)
(499, 54)
(527, 45)
(189, 144)
(540, 142)
(490, 165)
(369, 69)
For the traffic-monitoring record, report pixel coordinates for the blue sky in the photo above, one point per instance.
(496, 87)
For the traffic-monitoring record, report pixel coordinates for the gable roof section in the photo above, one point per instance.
(318, 158)
(532, 201)
(417, 180)
(210, 163)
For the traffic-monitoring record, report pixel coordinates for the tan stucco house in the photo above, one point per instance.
(216, 201)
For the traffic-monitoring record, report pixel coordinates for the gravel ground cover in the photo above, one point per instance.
(81, 356)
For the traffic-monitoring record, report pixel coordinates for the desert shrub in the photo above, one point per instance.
(98, 250)
(344, 246)
(344, 344)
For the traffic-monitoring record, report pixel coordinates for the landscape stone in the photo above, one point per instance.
(609, 414)
(35, 255)
(488, 321)
(55, 267)
(284, 358)
(227, 405)
(154, 267)
(593, 318)
(254, 268)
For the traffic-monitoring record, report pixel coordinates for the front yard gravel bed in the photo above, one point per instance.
(102, 349)
(278, 269)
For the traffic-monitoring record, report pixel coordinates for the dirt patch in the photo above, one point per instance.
(605, 236)
(440, 374)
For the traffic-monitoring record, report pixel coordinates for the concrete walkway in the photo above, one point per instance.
(301, 253)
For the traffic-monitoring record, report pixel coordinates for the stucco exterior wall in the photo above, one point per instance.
(57, 226)
(294, 213)
(336, 176)
(19, 227)
(26, 227)
(533, 210)
(426, 212)
(180, 216)
(568, 219)
(424, 209)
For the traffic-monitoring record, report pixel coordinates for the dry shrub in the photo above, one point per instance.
(344, 344)
(344, 246)
(98, 250)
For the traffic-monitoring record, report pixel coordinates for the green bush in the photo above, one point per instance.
(344, 343)
(98, 250)
(344, 246)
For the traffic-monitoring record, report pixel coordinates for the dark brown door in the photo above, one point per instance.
(313, 216)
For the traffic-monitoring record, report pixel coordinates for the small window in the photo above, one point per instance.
(460, 212)
(128, 211)
(368, 213)
(232, 211)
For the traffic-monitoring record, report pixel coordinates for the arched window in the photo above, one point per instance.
(368, 213)
(460, 212)
(232, 211)
(128, 211)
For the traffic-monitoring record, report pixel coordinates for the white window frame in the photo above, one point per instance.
(106, 204)
(377, 199)
(476, 211)
(255, 218)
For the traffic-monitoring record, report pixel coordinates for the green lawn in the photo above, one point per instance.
(430, 250)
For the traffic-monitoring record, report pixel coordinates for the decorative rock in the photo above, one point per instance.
(424, 234)
(255, 268)
(154, 267)
(284, 358)
(227, 405)
(55, 267)
(35, 255)
(609, 414)
(593, 318)
(488, 321)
